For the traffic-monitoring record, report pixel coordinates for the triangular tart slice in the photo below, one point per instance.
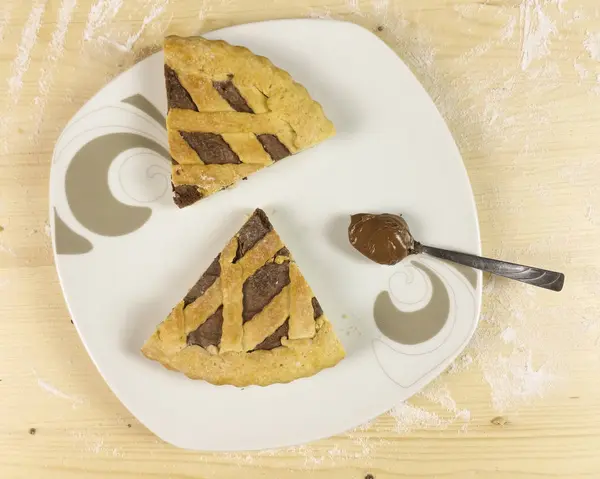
(250, 319)
(231, 113)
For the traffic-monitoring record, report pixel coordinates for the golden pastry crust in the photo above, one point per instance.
(251, 319)
(294, 359)
(233, 113)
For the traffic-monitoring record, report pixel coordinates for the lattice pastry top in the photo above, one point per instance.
(231, 113)
(250, 319)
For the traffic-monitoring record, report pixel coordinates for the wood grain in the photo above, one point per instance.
(529, 137)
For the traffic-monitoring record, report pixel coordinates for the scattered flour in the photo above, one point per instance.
(592, 45)
(204, 11)
(20, 64)
(156, 11)
(354, 6)
(581, 70)
(92, 443)
(509, 30)
(101, 13)
(536, 30)
(410, 418)
(28, 40)
(380, 8)
(5, 14)
(57, 392)
(509, 335)
(54, 54)
(322, 13)
(7, 249)
(514, 380)
(461, 364)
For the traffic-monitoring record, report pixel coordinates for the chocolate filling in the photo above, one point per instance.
(211, 148)
(255, 229)
(206, 281)
(273, 146)
(232, 95)
(318, 311)
(274, 340)
(177, 95)
(260, 288)
(208, 333)
(185, 195)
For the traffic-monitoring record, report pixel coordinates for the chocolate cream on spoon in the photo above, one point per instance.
(383, 238)
(386, 239)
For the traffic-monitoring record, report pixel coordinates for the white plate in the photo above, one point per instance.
(125, 254)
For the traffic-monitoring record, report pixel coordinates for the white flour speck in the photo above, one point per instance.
(55, 52)
(581, 70)
(505, 35)
(536, 30)
(596, 89)
(57, 392)
(410, 418)
(462, 363)
(28, 40)
(476, 51)
(514, 379)
(5, 14)
(353, 5)
(323, 13)
(102, 12)
(204, 11)
(592, 45)
(96, 446)
(440, 394)
(509, 335)
(380, 7)
(7, 249)
(509, 30)
(156, 11)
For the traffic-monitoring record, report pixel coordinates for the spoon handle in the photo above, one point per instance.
(526, 274)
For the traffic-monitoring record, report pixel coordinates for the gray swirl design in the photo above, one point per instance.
(66, 240)
(143, 104)
(88, 193)
(439, 324)
(152, 172)
(418, 326)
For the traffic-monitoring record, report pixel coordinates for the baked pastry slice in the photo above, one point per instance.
(231, 113)
(250, 319)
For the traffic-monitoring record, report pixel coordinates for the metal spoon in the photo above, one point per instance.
(386, 239)
(526, 274)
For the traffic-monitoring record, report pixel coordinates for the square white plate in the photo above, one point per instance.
(125, 254)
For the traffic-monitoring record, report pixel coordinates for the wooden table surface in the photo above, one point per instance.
(518, 83)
